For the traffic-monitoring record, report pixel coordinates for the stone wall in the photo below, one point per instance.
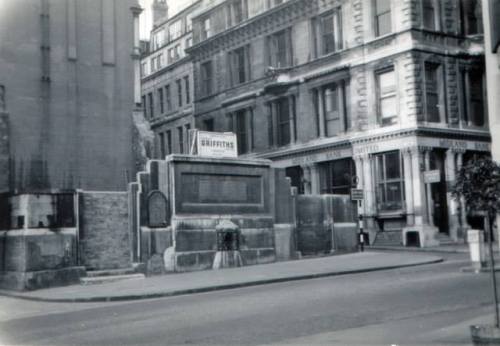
(38, 258)
(104, 230)
(325, 223)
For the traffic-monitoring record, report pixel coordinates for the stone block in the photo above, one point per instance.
(249, 257)
(41, 279)
(195, 240)
(284, 240)
(346, 237)
(253, 238)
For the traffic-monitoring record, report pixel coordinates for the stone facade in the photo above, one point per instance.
(68, 75)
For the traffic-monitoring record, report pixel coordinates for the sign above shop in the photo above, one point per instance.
(357, 195)
(214, 144)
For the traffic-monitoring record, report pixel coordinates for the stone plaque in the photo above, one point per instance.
(157, 209)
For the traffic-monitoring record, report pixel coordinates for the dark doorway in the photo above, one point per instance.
(296, 175)
(439, 204)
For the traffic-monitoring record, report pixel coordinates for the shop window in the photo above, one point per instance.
(386, 90)
(389, 181)
(280, 49)
(382, 17)
(336, 176)
(296, 175)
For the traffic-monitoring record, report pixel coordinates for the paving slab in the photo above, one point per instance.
(212, 280)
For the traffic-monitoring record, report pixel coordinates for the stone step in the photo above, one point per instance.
(388, 238)
(110, 278)
(111, 272)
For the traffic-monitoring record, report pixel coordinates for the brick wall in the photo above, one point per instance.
(104, 230)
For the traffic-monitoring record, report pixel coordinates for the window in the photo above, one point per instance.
(429, 14)
(187, 89)
(283, 117)
(188, 138)
(178, 84)
(144, 104)
(471, 14)
(239, 67)
(180, 135)
(208, 124)
(175, 30)
(280, 49)
(433, 93)
(382, 17)
(336, 176)
(143, 68)
(389, 181)
(296, 175)
(334, 112)
(206, 31)
(473, 96)
(151, 105)
(168, 98)
(386, 89)
(161, 100)
(238, 11)
(169, 142)
(206, 78)
(177, 51)
(189, 42)
(240, 128)
(329, 32)
(162, 146)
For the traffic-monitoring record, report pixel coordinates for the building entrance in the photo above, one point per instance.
(439, 205)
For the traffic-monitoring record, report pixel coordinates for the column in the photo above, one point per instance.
(464, 226)
(358, 162)
(428, 192)
(314, 179)
(307, 180)
(418, 189)
(408, 172)
(450, 174)
(136, 54)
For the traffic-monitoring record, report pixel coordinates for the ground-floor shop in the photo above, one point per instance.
(406, 178)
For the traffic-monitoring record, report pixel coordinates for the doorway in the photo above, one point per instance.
(439, 204)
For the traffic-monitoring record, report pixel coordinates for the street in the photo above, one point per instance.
(425, 305)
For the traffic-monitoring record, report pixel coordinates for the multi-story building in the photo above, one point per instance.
(167, 81)
(387, 95)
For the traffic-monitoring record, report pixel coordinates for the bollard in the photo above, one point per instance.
(475, 238)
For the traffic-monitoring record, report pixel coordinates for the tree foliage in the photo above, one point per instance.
(478, 183)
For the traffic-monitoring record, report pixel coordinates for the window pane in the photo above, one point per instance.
(382, 6)
(432, 107)
(394, 194)
(392, 166)
(387, 82)
(384, 24)
(388, 107)
(429, 14)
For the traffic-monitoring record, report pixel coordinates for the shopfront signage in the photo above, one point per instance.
(357, 195)
(216, 144)
(433, 176)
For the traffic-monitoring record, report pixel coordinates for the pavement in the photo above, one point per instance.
(213, 280)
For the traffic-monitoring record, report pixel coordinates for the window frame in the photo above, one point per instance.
(377, 20)
(437, 68)
(384, 96)
(381, 181)
(206, 72)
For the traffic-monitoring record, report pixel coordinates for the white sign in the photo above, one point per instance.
(216, 144)
(432, 176)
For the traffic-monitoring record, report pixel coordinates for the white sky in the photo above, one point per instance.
(146, 17)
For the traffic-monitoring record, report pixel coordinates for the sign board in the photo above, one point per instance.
(432, 176)
(357, 195)
(216, 144)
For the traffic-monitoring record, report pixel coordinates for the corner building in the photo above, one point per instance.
(391, 92)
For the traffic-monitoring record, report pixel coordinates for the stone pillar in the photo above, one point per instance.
(450, 174)
(136, 54)
(314, 179)
(369, 207)
(428, 192)
(307, 179)
(408, 173)
(427, 233)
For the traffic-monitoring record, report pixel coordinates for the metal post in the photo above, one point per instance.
(492, 269)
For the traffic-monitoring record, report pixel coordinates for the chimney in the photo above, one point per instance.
(160, 11)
